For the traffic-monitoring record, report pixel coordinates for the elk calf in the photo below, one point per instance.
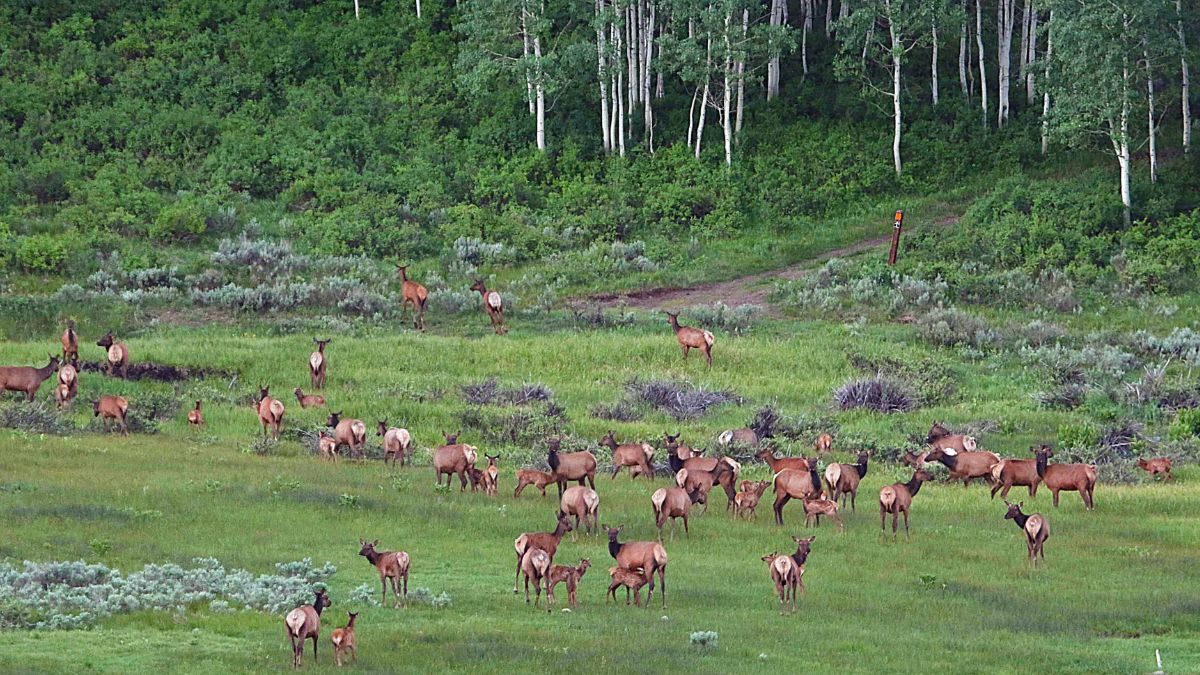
(815, 508)
(195, 417)
(535, 565)
(746, 502)
(491, 476)
(538, 479)
(413, 294)
(493, 304)
(632, 455)
(317, 365)
(304, 623)
(391, 565)
(70, 342)
(1035, 527)
(649, 556)
(632, 580)
(570, 575)
(327, 446)
(308, 400)
(823, 444)
(112, 408)
(1160, 466)
(343, 639)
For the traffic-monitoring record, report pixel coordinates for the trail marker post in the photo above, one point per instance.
(896, 236)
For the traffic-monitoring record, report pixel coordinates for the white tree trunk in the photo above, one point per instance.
(1031, 60)
(526, 50)
(933, 75)
(805, 27)
(1046, 94)
(601, 75)
(704, 95)
(962, 58)
(1151, 128)
(356, 10)
(897, 51)
(1023, 64)
(539, 85)
(983, 87)
(692, 118)
(726, 93)
(1006, 22)
(659, 84)
(418, 9)
(647, 52)
(1119, 135)
(843, 9)
(622, 93)
(773, 63)
(739, 72)
(828, 17)
(1186, 83)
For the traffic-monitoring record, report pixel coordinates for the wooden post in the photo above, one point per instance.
(896, 237)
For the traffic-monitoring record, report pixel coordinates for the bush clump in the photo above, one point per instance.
(680, 400)
(880, 394)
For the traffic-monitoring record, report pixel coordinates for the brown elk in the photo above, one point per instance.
(650, 556)
(582, 502)
(823, 443)
(723, 473)
(546, 541)
(1009, 472)
(413, 294)
(745, 502)
(694, 462)
(318, 365)
(70, 342)
(897, 498)
(632, 580)
(940, 438)
(744, 437)
(112, 408)
(309, 400)
(803, 549)
(777, 464)
(1079, 478)
(538, 479)
(1035, 527)
(629, 455)
(270, 412)
(577, 466)
(535, 565)
(194, 417)
(795, 484)
(672, 503)
(27, 379)
(966, 465)
(392, 566)
(396, 442)
(116, 355)
(570, 575)
(1159, 466)
(62, 395)
(786, 575)
(343, 640)
(816, 507)
(68, 374)
(843, 479)
(491, 476)
(327, 445)
(453, 458)
(691, 338)
(493, 305)
(304, 623)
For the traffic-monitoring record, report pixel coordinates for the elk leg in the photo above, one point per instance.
(685, 527)
(853, 501)
(314, 639)
(685, 351)
(708, 355)
(1055, 493)
(616, 470)
(906, 523)
(895, 521)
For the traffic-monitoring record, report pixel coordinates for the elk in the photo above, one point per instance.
(795, 484)
(786, 575)
(823, 443)
(414, 294)
(691, 338)
(62, 395)
(392, 566)
(966, 465)
(726, 479)
(195, 417)
(745, 502)
(678, 450)
(803, 548)
(493, 305)
(1035, 527)
(576, 466)
(68, 374)
(650, 556)
(581, 502)
(843, 479)
(1159, 466)
(1009, 472)
(629, 455)
(744, 437)
(632, 580)
(777, 464)
(396, 442)
(70, 342)
(672, 503)
(116, 355)
(327, 446)
(491, 476)
(571, 575)
(546, 541)
(270, 412)
(343, 639)
(112, 408)
(304, 623)
(309, 400)
(27, 379)
(816, 507)
(723, 473)
(535, 565)
(453, 458)
(897, 498)
(1080, 478)
(538, 479)
(317, 365)
(940, 438)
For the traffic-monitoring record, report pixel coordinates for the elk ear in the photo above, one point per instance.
(375, 543)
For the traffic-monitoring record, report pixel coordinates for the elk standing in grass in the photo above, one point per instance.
(70, 342)
(327, 445)
(1160, 466)
(650, 556)
(630, 455)
(1079, 478)
(897, 498)
(309, 400)
(745, 502)
(570, 575)
(803, 548)
(68, 374)
(413, 294)
(547, 541)
(493, 305)
(317, 365)
(116, 355)
(195, 417)
(820, 506)
(491, 476)
(27, 379)
(723, 473)
(632, 580)
(691, 338)
(1009, 472)
(672, 503)
(843, 479)
(786, 576)
(694, 462)
(453, 458)
(62, 395)
(396, 442)
(795, 484)
(270, 412)
(582, 502)
(967, 465)
(538, 479)
(112, 408)
(823, 444)
(392, 565)
(304, 623)
(1035, 527)
(577, 466)
(535, 565)
(940, 438)
(343, 640)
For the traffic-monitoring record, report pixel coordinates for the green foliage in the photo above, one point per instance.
(41, 253)
(1186, 426)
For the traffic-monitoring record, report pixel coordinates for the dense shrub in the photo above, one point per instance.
(41, 253)
(880, 394)
(950, 327)
(680, 400)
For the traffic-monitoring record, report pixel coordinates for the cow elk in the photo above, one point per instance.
(493, 304)
(62, 395)
(413, 294)
(940, 438)
(68, 374)
(270, 412)
(629, 455)
(897, 498)
(577, 466)
(745, 502)
(70, 342)
(195, 418)
(343, 640)
(27, 379)
(538, 479)
(724, 473)
(795, 484)
(649, 556)
(967, 465)
(396, 442)
(309, 400)
(391, 565)
(744, 437)
(1035, 527)
(843, 479)
(816, 507)
(453, 458)
(1009, 472)
(535, 565)
(672, 503)
(1079, 478)
(317, 365)
(112, 408)
(582, 502)
(786, 576)
(546, 541)
(304, 623)
(691, 338)
(1159, 466)
(565, 574)
(116, 355)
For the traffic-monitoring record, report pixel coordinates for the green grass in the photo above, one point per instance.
(1119, 582)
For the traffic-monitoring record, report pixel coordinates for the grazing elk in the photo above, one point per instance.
(392, 566)
(1035, 527)
(723, 473)
(629, 455)
(27, 379)
(691, 338)
(535, 565)
(343, 640)
(694, 462)
(413, 294)
(940, 438)
(795, 484)
(582, 502)
(270, 412)
(897, 498)
(396, 442)
(745, 502)
(632, 580)
(816, 507)
(786, 575)
(70, 342)
(327, 445)
(116, 355)
(112, 408)
(649, 556)
(304, 623)
(570, 575)
(453, 458)
(843, 479)
(195, 417)
(823, 444)
(672, 503)
(309, 400)
(493, 305)
(577, 466)
(1079, 478)
(491, 476)
(1159, 466)
(546, 541)
(1009, 472)
(538, 479)
(317, 365)
(967, 465)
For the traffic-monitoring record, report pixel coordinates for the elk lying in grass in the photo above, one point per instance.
(538, 479)
(493, 304)
(270, 412)
(1035, 527)
(940, 438)
(327, 445)
(629, 455)
(343, 640)
(1009, 472)
(577, 466)
(195, 417)
(535, 565)
(1159, 466)
(547, 541)
(1079, 478)
(672, 503)
(843, 479)
(349, 432)
(649, 556)
(820, 506)
(317, 365)
(897, 498)
(413, 294)
(795, 484)
(967, 465)
(571, 576)
(582, 502)
(742, 438)
(392, 566)
(823, 444)
(453, 458)
(116, 355)
(745, 502)
(304, 623)
(632, 580)
(491, 476)
(70, 342)
(396, 442)
(309, 400)
(691, 338)
(786, 575)
(112, 408)
(27, 379)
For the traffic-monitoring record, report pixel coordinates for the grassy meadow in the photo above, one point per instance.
(959, 595)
